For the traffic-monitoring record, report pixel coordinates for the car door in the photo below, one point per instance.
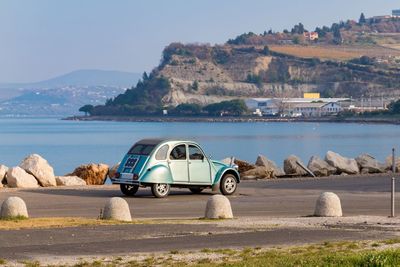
(178, 164)
(199, 166)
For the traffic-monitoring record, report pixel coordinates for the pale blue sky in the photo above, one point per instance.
(40, 39)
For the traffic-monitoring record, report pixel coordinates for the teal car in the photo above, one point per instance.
(162, 164)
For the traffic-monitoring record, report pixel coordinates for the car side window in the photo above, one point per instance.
(195, 153)
(178, 153)
(162, 153)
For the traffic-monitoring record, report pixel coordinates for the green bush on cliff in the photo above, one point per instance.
(143, 99)
(235, 107)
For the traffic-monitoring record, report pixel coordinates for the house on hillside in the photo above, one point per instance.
(396, 13)
(311, 35)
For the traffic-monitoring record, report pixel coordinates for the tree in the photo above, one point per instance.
(265, 50)
(298, 29)
(362, 19)
(195, 85)
(394, 107)
(87, 109)
(235, 107)
(187, 109)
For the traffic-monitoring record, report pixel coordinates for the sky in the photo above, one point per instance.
(40, 39)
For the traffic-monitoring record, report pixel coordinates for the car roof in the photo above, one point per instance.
(156, 141)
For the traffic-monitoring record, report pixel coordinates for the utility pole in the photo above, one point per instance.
(393, 191)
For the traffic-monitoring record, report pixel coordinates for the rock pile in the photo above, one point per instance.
(333, 164)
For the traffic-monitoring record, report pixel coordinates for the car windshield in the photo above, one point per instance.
(142, 149)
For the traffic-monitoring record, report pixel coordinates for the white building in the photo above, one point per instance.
(296, 106)
(316, 109)
(396, 13)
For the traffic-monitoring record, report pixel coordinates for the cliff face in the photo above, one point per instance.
(204, 74)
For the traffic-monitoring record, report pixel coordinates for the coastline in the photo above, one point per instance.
(384, 120)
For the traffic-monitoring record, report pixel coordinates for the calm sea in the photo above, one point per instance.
(67, 144)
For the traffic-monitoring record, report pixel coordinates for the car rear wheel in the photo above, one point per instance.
(160, 190)
(196, 190)
(228, 184)
(129, 190)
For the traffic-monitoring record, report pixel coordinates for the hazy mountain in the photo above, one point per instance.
(63, 95)
(82, 78)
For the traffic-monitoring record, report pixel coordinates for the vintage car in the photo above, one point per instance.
(162, 164)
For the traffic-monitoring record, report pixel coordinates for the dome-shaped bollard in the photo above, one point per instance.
(218, 207)
(328, 205)
(117, 209)
(13, 207)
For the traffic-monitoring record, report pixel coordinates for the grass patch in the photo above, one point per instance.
(60, 222)
(15, 218)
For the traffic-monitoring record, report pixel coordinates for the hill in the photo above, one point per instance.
(64, 95)
(364, 61)
(82, 78)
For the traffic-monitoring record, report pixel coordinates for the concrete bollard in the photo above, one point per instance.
(218, 207)
(117, 209)
(328, 205)
(13, 207)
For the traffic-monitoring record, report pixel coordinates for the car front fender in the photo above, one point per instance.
(158, 174)
(221, 172)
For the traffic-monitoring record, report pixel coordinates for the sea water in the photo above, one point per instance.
(68, 144)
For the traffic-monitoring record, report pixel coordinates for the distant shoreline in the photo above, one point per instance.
(395, 121)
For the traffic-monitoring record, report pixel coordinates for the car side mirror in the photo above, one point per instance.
(210, 156)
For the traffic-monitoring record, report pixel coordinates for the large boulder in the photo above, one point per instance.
(389, 163)
(18, 177)
(342, 164)
(3, 173)
(369, 164)
(113, 170)
(13, 207)
(258, 172)
(291, 167)
(40, 168)
(69, 181)
(320, 167)
(243, 166)
(263, 161)
(328, 205)
(93, 174)
(117, 209)
(218, 207)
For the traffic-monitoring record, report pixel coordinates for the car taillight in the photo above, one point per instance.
(117, 175)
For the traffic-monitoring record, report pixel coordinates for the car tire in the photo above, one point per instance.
(160, 190)
(129, 190)
(196, 190)
(228, 184)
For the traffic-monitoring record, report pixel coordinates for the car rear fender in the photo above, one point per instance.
(224, 171)
(157, 174)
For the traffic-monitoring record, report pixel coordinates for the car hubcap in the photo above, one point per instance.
(230, 185)
(162, 189)
(130, 187)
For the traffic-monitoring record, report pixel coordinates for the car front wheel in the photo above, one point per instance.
(129, 190)
(160, 190)
(228, 184)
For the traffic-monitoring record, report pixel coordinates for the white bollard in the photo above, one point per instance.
(117, 209)
(218, 207)
(328, 205)
(13, 207)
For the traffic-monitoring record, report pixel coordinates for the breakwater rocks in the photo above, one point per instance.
(34, 171)
(332, 164)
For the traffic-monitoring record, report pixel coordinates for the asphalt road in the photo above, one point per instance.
(275, 198)
(287, 197)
